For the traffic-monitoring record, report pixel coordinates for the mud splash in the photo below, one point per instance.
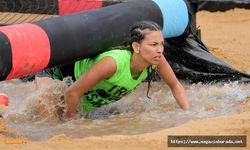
(32, 112)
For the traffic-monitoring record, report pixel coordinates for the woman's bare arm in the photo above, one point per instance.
(168, 76)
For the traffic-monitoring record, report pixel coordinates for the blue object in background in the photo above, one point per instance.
(175, 17)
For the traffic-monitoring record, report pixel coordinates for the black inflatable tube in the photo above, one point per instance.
(78, 36)
(5, 57)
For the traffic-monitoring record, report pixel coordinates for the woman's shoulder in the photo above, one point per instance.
(117, 54)
(118, 51)
(121, 57)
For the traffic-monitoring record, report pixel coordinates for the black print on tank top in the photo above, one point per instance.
(101, 97)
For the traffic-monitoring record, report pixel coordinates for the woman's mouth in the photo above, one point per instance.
(157, 57)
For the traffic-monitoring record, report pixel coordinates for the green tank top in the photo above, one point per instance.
(113, 88)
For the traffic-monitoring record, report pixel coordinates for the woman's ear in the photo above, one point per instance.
(136, 47)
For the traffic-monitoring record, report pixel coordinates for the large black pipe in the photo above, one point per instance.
(78, 35)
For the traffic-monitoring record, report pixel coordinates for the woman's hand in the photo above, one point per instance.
(180, 95)
(71, 101)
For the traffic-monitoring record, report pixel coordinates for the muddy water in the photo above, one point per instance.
(32, 112)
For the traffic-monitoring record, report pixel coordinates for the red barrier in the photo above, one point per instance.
(72, 6)
(30, 49)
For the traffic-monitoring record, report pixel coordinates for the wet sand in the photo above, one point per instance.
(227, 35)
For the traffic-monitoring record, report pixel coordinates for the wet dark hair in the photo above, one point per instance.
(140, 29)
(137, 34)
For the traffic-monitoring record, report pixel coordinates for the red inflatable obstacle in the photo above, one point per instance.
(4, 99)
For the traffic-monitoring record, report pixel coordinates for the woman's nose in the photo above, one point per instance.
(160, 49)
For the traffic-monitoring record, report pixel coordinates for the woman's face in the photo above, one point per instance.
(151, 47)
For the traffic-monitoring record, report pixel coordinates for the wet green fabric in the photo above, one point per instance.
(113, 88)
